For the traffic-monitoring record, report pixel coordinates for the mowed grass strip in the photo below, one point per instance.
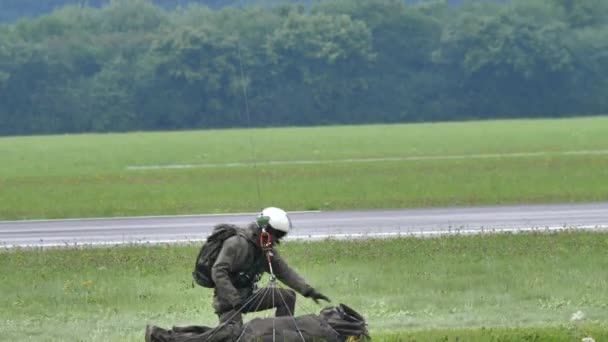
(482, 287)
(88, 175)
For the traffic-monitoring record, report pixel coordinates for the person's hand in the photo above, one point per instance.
(316, 296)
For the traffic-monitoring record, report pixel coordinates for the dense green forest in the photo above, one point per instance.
(130, 65)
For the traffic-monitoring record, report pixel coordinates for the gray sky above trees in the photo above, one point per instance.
(11, 10)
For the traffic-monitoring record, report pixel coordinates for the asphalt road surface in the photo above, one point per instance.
(309, 225)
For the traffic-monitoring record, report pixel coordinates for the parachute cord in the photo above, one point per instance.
(251, 299)
(248, 114)
(265, 290)
(291, 314)
(274, 330)
(266, 245)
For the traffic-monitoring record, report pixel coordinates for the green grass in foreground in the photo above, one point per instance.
(87, 175)
(564, 333)
(484, 288)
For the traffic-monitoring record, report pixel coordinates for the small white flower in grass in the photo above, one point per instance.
(587, 339)
(577, 316)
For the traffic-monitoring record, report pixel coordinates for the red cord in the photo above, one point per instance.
(266, 246)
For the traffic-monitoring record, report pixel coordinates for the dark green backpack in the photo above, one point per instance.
(209, 252)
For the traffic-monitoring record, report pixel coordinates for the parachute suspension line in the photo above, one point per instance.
(274, 330)
(291, 314)
(261, 293)
(265, 291)
(273, 289)
(266, 245)
(248, 114)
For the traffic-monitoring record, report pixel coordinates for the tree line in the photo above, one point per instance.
(11, 10)
(130, 65)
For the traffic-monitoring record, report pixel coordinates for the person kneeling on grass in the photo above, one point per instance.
(233, 260)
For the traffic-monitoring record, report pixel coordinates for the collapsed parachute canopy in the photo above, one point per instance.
(333, 324)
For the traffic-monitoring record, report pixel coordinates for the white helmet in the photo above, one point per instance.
(276, 218)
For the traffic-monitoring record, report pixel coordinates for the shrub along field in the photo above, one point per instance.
(341, 167)
(524, 287)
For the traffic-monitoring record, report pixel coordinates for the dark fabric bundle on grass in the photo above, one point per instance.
(333, 324)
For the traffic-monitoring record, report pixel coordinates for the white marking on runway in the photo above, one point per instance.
(371, 160)
(321, 237)
(114, 218)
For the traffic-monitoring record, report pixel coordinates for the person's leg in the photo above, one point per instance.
(284, 300)
(225, 312)
(287, 300)
(231, 315)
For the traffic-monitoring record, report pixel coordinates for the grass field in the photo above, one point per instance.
(523, 287)
(451, 164)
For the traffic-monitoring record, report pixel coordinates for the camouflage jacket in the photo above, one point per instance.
(239, 264)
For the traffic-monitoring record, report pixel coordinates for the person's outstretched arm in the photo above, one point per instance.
(291, 278)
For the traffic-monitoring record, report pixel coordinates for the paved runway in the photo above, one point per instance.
(309, 225)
